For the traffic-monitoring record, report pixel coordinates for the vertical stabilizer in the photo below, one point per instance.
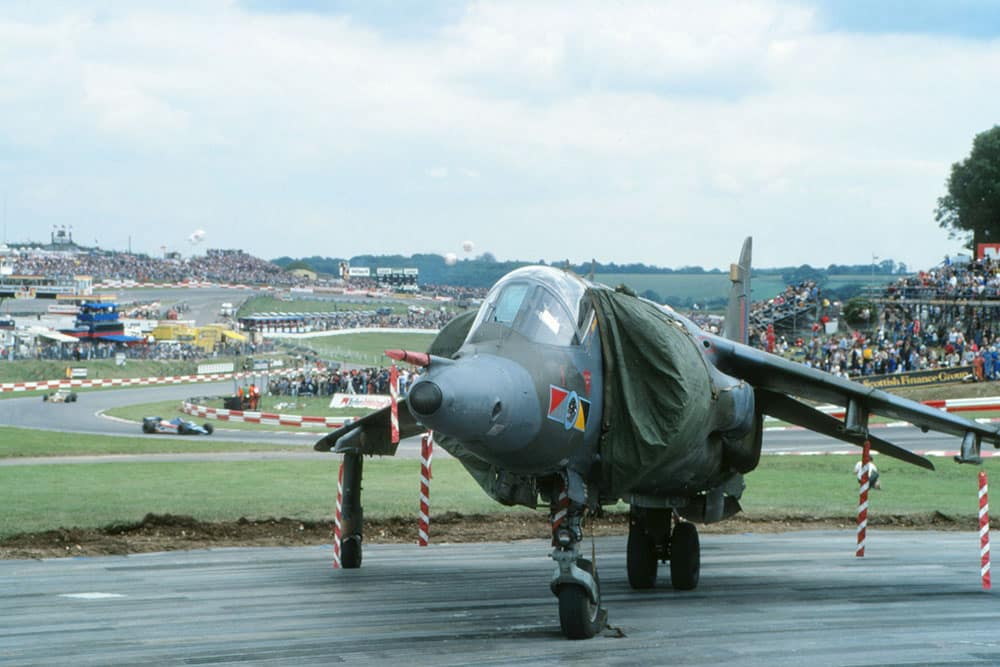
(738, 311)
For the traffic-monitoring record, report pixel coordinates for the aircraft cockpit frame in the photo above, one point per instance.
(544, 305)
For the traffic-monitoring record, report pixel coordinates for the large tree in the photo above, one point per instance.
(972, 204)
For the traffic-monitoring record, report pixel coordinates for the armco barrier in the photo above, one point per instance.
(113, 382)
(269, 418)
(139, 382)
(948, 405)
(193, 284)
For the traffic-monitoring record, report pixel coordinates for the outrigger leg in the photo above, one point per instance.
(352, 516)
(575, 581)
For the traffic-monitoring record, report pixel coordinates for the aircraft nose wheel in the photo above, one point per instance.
(579, 616)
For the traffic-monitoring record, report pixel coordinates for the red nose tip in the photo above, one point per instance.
(415, 358)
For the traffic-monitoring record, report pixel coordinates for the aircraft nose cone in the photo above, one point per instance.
(425, 398)
(487, 402)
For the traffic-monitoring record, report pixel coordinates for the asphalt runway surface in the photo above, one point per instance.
(764, 599)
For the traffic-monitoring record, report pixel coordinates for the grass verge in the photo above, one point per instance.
(20, 442)
(270, 304)
(37, 498)
(366, 348)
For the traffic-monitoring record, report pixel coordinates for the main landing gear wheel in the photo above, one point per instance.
(350, 553)
(640, 557)
(685, 557)
(579, 617)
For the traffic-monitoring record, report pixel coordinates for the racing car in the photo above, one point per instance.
(177, 426)
(60, 396)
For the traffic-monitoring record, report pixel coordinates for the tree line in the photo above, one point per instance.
(485, 269)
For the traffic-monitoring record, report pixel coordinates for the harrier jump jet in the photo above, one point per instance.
(570, 394)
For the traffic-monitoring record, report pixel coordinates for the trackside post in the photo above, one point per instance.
(984, 530)
(866, 459)
(426, 455)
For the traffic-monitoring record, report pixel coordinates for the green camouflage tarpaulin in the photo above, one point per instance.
(648, 372)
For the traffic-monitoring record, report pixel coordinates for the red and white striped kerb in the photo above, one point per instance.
(112, 382)
(269, 418)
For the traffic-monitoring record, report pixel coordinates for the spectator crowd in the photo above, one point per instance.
(329, 381)
(938, 319)
(977, 279)
(944, 317)
(223, 266)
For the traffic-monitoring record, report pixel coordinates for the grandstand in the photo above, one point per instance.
(222, 266)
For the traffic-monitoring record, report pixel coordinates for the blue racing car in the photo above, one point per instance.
(176, 426)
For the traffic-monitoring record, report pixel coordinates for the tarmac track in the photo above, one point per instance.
(83, 417)
(764, 599)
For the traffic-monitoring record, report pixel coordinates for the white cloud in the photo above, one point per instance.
(546, 125)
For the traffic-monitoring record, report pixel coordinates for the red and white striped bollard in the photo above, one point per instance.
(984, 530)
(866, 459)
(394, 403)
(336, 518)
(426, 455)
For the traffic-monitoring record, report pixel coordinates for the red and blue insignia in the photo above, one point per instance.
(567, 408)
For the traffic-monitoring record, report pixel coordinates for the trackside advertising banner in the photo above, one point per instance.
(918, 378)
(369, 401)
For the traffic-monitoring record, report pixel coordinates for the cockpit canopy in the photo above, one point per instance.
(543, 304)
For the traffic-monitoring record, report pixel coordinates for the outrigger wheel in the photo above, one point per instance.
(352, 515)
(350, 552)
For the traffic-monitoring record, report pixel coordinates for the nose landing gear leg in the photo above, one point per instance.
(575, 581)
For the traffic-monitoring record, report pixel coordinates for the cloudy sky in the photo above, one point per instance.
(660, 132)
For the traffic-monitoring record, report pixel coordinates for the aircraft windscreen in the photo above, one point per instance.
(536, 303)
(509, 303)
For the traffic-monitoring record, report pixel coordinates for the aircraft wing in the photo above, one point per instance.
(798, 413)
(776, 375)
(370, 434)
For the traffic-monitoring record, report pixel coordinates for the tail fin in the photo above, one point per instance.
(737, 314)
